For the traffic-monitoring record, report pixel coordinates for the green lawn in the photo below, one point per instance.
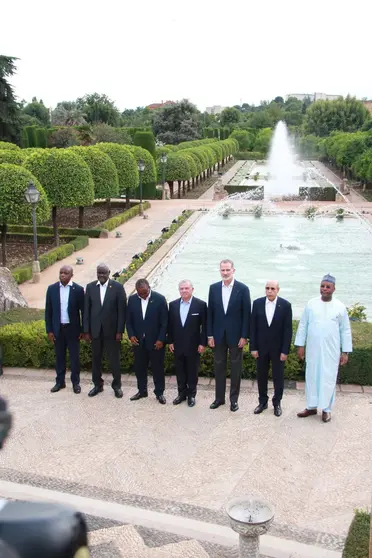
(357, 540)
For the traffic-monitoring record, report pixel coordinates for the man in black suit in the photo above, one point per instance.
(229, 311)
(104, 323)
(270, 341)
(147, 329)
(187, 338)
(64, 308)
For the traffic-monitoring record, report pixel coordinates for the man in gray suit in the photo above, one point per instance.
(104, 322)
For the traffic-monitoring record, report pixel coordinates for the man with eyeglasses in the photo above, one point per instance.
(270, 342)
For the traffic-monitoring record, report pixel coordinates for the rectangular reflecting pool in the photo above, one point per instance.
(292, 249)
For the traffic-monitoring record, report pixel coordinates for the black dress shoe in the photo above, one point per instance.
(277, 410)
(57, 387)
(139, 395)
(179, 400)
(76, 388)
(216, 404)
(95, 391)
(191, 401)
(118, 393)
(234, 407)
(161, 399)
(261, 407)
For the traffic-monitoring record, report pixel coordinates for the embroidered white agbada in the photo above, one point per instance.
(325, 330)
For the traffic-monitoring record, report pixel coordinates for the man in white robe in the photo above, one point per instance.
(325, 330)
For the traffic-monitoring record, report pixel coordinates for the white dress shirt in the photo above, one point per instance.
(103, 290)
(144, 304)
(270, 309)
(64, 294)
(184, 310)
(226, 293)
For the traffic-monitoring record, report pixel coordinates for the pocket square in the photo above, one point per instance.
(195, 314)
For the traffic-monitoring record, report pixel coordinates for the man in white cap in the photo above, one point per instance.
(325, 330)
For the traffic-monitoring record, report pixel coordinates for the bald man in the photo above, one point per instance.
(104, 322)
(64, 308)
(270, 342)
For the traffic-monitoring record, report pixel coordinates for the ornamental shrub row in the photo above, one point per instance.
(26, 345)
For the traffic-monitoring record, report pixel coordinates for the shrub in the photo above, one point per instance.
(146, 140)
(125, 164)
(26, 344)
(104, 174)
(62, 137)
(8, 145)
(31, 135)
(244, 139)
(149, 174)
(41, 137)
(357, 540)
(117, 220)
(249, 156)
(24, 273)
(12, 156)
(177, 168)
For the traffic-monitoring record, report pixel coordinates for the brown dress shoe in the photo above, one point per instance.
(307, 413)
(326, 417)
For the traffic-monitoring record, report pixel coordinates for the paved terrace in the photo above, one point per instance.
(173, 469)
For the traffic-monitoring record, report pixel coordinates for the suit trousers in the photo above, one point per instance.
(277, 366)
(220, 370)
(67, 339)
(187, 371)
(143, 357)
(111, 347)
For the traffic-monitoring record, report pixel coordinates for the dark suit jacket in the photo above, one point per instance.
(187, 338)
(154, 327)
(110, 316)
(278, 336)
(235, 323)
(75, 308)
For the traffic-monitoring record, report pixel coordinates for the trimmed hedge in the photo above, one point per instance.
(104, 174)
(12, 156)
(249, 156)
(24, 273)
(357, 540)
(26, 345)
(117, 220)
(8, 145)
(125, 164)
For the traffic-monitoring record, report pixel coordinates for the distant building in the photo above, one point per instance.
(216, 109)
(163, 104)
(314, 96)
(368, 105)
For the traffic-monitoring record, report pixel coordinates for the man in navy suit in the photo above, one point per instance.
(104, 323)
(147, 323)
(64, 308)
(229, 311)
(270, 341)
(187, 338)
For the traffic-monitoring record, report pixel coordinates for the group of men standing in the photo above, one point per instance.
(188, 326)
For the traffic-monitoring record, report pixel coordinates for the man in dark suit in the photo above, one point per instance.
(187, 338)
(64, 308)
(229, 311)
(147, 329)
(270, 341)
(104, 323)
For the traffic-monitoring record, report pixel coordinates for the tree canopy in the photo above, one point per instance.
(343, 115)
(176, 123)
(10, 125)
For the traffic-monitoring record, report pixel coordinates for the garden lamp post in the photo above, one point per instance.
(32, 196)
(141, 168)
(163, 160)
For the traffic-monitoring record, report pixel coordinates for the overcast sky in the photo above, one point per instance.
(211, 52)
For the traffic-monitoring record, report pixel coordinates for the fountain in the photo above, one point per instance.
(250, 518)
(285, 175)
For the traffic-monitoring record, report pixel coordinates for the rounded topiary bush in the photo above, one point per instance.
(146, 140)
(149, 174)
(177, 168)
(104, 173)
(125, 163)
(12, 156)
(64, 175)
(8, 145)
(14, 208)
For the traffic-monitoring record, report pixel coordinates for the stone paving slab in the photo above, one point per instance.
(196, 457)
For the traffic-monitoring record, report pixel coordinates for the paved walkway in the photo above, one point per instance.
(187, 463)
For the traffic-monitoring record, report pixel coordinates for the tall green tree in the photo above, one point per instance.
(36, 109)
(67, 113)
(343, 115)
(99, 108)
(10, 126)
(229, 116)
(179, 122)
